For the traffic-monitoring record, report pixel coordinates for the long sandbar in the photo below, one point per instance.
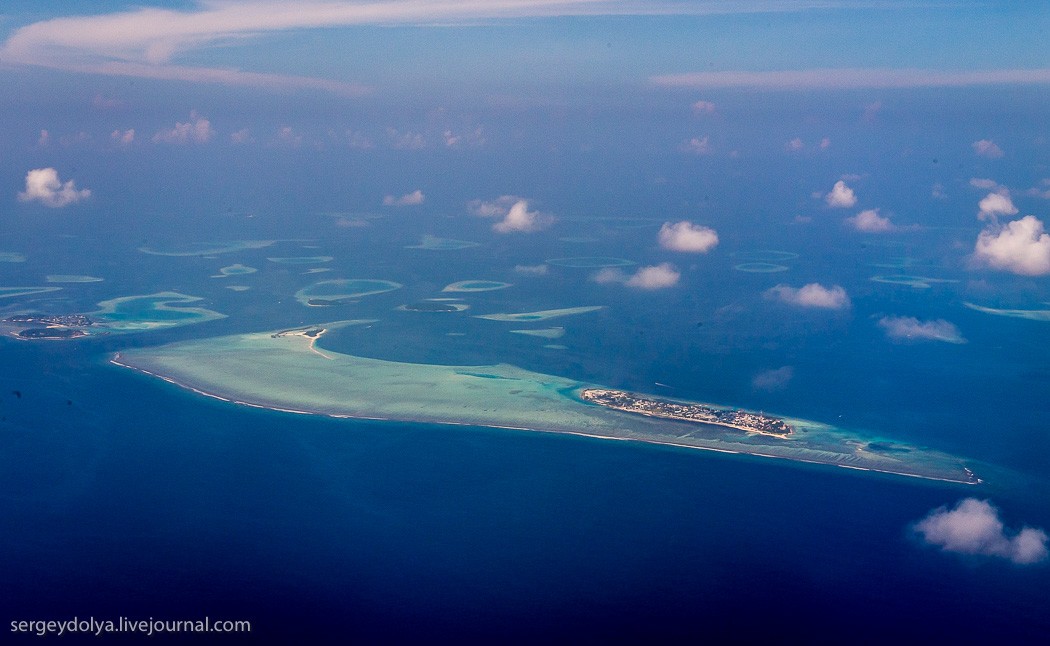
(287, 371)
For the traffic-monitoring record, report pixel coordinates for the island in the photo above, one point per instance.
(49, 326)
(290, 371)
(690, 412)
(116, 316)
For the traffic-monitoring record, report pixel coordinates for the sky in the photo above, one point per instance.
(418, 49)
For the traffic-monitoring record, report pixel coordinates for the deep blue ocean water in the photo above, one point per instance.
(125, 496)
(173, 506)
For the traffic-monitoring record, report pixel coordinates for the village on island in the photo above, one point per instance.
(700, 413)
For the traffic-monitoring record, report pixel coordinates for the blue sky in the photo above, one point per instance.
(416, 46)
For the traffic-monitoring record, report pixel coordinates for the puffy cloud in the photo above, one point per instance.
(794, 145)
(841, 196)
(996, 204)
(44, 186)
(811, 295)
(409, 199)
(515, 214)
(44, 140)
(197, 130)
(520, 219)
(655, 277)
(703, 107)
(1020, 247)
(532, 270)
(909, 328)
(609, 275)
(773, 380)
(652, 277)
(987, 148)
(697, 146)
(688, 237)
(123, 138)
(870, 221)
(973, 527)
(496, 208)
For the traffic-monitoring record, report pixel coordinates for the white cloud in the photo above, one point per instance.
(197, 130)
(496, 208)
(937, 191)
(144, 41)
(688, 237)
(1020, 247)
(652, 277)
(703, 107)
(841, 196)
(655, 277)
(825, 143)
(987, 148)
(996, 204)
(45, 139)
(773, 380)
(697, 146)
(532, 270)
(409, 199)
(520, 219)
(515, 213)
(44, 186)
(985, 183)
(123, 138)
(909, 328)
(851, 78)
(609, 275)
(811, 295)
(870, 221)
(794, 145)
(974, 527)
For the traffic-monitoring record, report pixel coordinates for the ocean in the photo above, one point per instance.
(124, 495)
